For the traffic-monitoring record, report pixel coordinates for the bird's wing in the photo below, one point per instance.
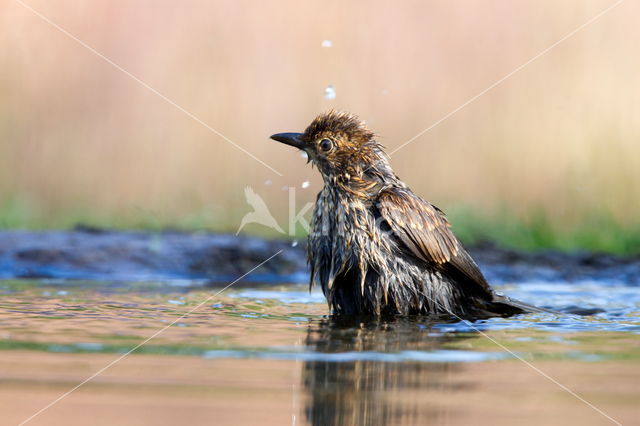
(254, 199)
(249, 192)
(262, 212)
(424, 231)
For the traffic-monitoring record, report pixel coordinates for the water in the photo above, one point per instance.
(268, 354)
(330, 92)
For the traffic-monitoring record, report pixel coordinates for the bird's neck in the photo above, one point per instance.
(363, 182)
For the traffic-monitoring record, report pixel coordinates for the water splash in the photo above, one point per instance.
(330, 92)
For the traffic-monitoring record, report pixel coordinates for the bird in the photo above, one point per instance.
(374, 246)
(260, 213)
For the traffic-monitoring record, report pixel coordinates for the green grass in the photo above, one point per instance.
(19, 213)
(595, 232)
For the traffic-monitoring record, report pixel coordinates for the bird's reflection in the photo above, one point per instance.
(367, 385)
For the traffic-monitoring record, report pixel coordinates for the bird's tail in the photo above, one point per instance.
(506, 306)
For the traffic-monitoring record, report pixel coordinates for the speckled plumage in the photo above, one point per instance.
(377, 248)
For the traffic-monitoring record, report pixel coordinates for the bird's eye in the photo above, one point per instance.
(326, 145)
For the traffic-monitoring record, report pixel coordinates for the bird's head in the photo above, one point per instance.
(339, 144)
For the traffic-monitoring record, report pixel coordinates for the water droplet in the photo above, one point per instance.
(330, 92)
(305, 184)
(294, 243)
(304, 154)
(268, 182)
(327, 43)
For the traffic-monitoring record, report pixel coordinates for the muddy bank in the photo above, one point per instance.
(95, 254)
(140, 256)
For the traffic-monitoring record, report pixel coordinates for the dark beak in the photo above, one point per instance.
(293, 139)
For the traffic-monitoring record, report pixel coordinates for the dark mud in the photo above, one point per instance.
(92, 254)
(95, 254)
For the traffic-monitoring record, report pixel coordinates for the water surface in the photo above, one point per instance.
(269, 354)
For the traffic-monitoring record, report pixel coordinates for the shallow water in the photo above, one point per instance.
(269, 355)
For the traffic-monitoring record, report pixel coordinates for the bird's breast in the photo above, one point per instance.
(344, 230)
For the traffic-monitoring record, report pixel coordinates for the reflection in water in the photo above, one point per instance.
(368, 391)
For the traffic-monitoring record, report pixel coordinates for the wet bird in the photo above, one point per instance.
(375, 247)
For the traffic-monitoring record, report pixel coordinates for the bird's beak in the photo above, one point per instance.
(293, 139)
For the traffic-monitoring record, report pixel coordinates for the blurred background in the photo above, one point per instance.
(548, 158)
